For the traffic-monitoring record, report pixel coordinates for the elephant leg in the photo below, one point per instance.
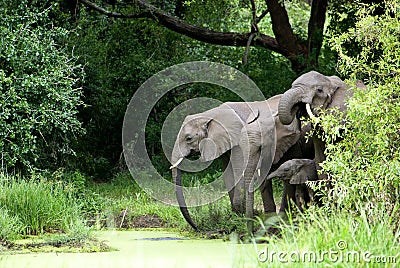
(319, 148)
(268, 197)
(235, 180)
(249, 178)
(235, 191)
(302, 197)
(238, 202)
(289, 193)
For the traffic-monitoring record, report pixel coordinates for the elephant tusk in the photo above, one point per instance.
(177, 163)
(309, 112)
(275, 114)
(259, 172)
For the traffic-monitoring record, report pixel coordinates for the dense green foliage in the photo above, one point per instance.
(365, 166)
(40, 93)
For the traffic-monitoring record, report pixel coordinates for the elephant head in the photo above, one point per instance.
(296, 171)
(211, 134)
(316, 91)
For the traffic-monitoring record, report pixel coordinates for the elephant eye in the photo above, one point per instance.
(286, 169)
(319, 89)
(189, 138)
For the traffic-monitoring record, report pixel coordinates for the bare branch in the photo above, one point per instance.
(254, 30)
(262, 15)
(195, 32)
(114, 14)
(246, 52)
(253, 12)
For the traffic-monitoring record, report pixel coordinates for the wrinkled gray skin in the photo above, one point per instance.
(320, 92)
(229, 127)
(297, 172)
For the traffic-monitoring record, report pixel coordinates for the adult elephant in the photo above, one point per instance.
(310, 93)
(247, 130)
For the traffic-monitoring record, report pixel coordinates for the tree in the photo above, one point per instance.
(301, 51)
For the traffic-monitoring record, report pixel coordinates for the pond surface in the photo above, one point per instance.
(145, 249)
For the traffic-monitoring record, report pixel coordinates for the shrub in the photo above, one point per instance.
(365, 165)
(39, 88)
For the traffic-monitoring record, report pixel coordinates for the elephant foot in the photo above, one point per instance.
(261, 234)
(238, 208)
(270, 209)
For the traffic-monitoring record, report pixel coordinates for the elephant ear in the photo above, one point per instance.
(298, 178)
(208, 149)
(223, 132)
(305, 171)
(341, 93)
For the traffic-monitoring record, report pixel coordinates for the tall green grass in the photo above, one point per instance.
(10, 226)
(37, 206)
(320, 238)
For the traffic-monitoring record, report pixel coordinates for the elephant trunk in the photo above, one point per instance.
(275, 174)
(286, 104)
(176, 175)
(178, 153)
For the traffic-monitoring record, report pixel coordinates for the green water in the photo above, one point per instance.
(145, 249)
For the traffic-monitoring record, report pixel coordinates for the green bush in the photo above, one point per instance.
(10, 226)
(365, 166)
(39, 88)
(40, 206)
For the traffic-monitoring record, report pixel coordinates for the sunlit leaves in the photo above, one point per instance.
(365, 165)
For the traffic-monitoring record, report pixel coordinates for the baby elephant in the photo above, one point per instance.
(298, 172)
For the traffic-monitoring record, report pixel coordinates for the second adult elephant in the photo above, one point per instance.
(248, 131)
(310, 93)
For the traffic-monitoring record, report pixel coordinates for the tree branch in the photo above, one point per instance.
(262, 15)
(316, 26)
(114, 14)
(246, 52)
(254, 31)
(282, 29)
(290, 44)
(195, 32)
(254, 27)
